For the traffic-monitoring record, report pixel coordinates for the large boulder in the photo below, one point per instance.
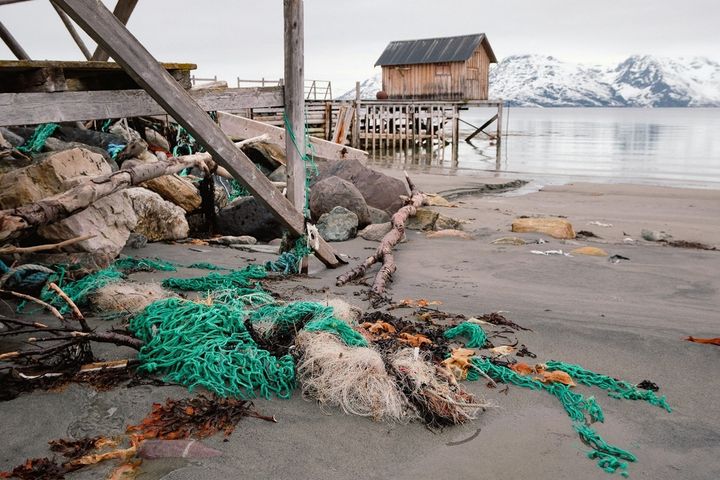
(245, 216)
(176, 189)
(334, 192)
(157, 219)
(53, 174)
(110, 219)
(379, 190)
(378, 216)
(424, 219)
(338, 225)
(376, 231)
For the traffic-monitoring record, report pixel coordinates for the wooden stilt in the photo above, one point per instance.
(73, 33)
(13, 44)
(498, 139)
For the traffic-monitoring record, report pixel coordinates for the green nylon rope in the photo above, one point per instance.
(339, 328)
(208, 346)
(609, 458)
(615, 388)
(79, 290)
(217, 281)
(130, 263)
(36, 142)
(471, 331)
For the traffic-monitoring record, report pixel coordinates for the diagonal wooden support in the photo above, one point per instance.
(481, 128)
(93, 17)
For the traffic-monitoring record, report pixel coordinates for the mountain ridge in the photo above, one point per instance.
(533, 80)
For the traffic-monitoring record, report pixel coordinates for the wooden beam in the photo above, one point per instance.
(13, 44)
(481, 128)
(73, 33)
(345, 117)
(295, 101)
(123, 10)
(240, 128)
(114, 37)
(36, 108)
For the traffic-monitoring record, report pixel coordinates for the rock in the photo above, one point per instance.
(88, 137)
(136, 241)
(13, 139)
(591, 251)
(376, 231)
(155, 139)
(655, 236)
(555, 227)
(338, 225)
(378, 216)
(435, 200)
(176, 189)
(275, 241)
(110, 219)
(53, 174)
(424, 219)
(450, 233)
(53, 144)
(4, 144)
(379, 190)
(447, 223)
(509, 241)
(279, 174)
(334, 192)
(158, 219)
(245, 216)
(232, 240)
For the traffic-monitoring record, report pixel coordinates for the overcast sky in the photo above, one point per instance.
(343, 38)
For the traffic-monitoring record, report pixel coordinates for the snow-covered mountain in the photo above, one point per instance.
(368, 88)
(638, 81)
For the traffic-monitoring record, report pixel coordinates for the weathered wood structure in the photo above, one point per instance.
(450, 68)
(108, 30)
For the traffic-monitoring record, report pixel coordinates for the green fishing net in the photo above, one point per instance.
(473, 332)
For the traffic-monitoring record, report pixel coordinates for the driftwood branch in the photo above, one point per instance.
(42, 248)
(45, 305)
(383, 254)
(89, 191)
(77, 314)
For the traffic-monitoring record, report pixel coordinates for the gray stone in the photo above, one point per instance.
(53, 144)
(158, 219)
(338, 225)
(424, 219)
(245, 216)
(447, 223)
(379, 190)
(378, 216)
(12, 138)
(655, 236)
(376, 231)
(156, 139)
(334, 192)
(279, 175)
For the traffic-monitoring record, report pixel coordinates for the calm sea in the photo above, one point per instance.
(661, 146)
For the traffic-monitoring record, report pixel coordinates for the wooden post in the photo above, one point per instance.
(73, 33)
(123, 10)
(113, 36)
(295, 102)
(356, 118)
(12, 44)
(498, 140)
(455, 133)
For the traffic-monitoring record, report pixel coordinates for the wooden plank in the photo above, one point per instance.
(35, 108)
(111, 34)
(123, 10)
(13, 44)
(239, 128)
(342, 128)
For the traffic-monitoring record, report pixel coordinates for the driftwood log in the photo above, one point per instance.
(384, 253)
(60, 206)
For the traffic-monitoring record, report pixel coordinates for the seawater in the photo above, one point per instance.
(660, 146)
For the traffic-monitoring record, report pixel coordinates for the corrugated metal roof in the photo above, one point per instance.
(433, 50)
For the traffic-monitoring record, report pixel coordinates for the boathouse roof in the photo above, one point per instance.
(434, 50)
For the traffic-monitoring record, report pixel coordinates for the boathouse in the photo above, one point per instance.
(450, 68)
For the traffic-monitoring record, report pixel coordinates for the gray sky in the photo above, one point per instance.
(343, 38)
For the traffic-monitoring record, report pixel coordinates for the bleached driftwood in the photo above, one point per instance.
(384, 251)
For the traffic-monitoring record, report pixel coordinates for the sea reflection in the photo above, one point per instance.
(678, 146)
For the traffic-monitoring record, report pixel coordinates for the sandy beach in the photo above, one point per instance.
(625, 319)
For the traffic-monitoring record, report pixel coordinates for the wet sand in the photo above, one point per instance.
(626, 320)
